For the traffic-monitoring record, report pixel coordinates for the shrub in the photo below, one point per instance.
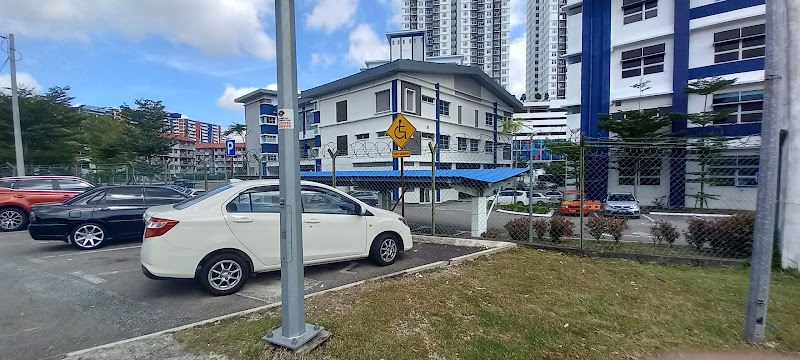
(492, 233)
(596, 226)
(540, 227)
(617, 226)
(560, 227)
(537, 209)
(517, 229)
(698, 231)
(664, 231)
(733, 236)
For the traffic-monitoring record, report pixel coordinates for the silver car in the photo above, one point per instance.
(621, 204)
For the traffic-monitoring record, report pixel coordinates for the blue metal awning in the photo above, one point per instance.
(481, 177)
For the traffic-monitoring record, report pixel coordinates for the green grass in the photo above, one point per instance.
(527, 304)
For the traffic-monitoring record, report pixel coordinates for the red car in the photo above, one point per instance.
(17, 194)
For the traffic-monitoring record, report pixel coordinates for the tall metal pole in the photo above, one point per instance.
(294, 332)
(402, 188)
(530, 188)
(433, 148)
(582, 188)
(12, 56)
(777, 101)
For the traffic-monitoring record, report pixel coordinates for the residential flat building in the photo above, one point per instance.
(212, 158)
(546, 47)
(98, 110)
(667, 44)
(350, 116)
(542, 122)
(476, 29)
(201, 132)
(180, 160)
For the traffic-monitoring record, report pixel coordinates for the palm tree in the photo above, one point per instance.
(236, 129)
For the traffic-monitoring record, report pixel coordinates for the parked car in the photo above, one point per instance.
(222, 237)
(368, 197)
(621, 204)
(571, 204)
(190, 192)
(555, 196)
(519, 197)
(90, 220)
(18, 194)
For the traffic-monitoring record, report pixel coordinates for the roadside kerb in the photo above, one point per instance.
(688, 214)
(490, 247)
(549, 213)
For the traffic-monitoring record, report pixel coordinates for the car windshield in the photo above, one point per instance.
(191, 201)
(572, 197)
(80, 197)
(621, 197)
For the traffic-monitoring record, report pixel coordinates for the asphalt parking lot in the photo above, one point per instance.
(57, 299)
(454, 218)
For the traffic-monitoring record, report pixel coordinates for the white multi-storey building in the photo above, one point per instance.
(475, 29)
(546, 45)
(619, 43)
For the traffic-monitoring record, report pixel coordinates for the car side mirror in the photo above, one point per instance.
(361, 210)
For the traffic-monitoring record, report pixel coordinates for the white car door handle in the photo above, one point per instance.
(242, 220)
(312, 221)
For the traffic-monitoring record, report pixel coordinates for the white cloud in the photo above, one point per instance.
(24, 80)
(226, 100)
(322, 59)
(329, 15)
(516, 63)
(366, 45)
(213, 26)
(395, 8)
(518, 13)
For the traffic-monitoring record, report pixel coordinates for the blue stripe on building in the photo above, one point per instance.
(721, 7)
(269, 148)
(269, 129)
(595, 86)
(680, 101)
(733, 67)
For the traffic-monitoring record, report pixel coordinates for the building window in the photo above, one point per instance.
(745, 106)
(644, 61)
(409, 103)
(269, 139)
(640, 171)
(382, 101)
(459, 114)
(489, 119)
(426, 135)
(462, 144)
(739, 44)
(362, 136)
(341, 111)
(313, 129)
(474, 144)
(488, 147)
(476, 118)
(734, 171)
(444, 107)
(381, 134)
(637, 10)
(270, 157)
(268, 120)
(341, 145)
(428, 99)
(444, 142)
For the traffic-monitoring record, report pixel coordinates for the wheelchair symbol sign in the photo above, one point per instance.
(401, 130)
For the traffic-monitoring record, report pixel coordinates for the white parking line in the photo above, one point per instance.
(648, 218)
(117, 272)
(346, 270)
(89, 277)
(91, 252)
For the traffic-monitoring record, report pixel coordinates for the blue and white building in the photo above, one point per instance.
(615, 44)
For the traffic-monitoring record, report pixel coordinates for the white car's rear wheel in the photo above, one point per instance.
(224, 274)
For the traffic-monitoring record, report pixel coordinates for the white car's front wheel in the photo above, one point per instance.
(224, 274)
(384, 250)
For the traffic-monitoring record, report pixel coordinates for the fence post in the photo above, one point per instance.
(530, 189)
(433, 146)
(582, 187)
(333, 167)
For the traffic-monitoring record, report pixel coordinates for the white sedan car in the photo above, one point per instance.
(519, 197)
(223, 236)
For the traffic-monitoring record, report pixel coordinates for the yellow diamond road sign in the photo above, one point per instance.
(401, 130)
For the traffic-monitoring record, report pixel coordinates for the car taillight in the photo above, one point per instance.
(157, 227)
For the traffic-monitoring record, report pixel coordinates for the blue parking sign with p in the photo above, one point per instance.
(230, 148)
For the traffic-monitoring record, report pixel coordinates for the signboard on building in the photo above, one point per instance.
(401, 130)
(230, 147)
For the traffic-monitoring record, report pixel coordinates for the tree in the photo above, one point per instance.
(707, 146)
(103, 136)
(144, 139)
(546, 96)
(50, 126)
(236, 129)
(523, 97)
(537, 96)
(568, 169)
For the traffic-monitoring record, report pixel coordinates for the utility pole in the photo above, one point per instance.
(777, 107)
(294, 331)
(12, 60)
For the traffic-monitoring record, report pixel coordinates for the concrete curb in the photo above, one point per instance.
(687, 214)
(491, 248)
(549, 214)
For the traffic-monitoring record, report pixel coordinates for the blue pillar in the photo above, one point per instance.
(680, 102)
(595, 90)
(494, 153)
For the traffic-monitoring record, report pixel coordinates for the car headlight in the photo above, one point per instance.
(404, 222)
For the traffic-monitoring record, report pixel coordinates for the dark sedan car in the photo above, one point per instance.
(93, 218)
